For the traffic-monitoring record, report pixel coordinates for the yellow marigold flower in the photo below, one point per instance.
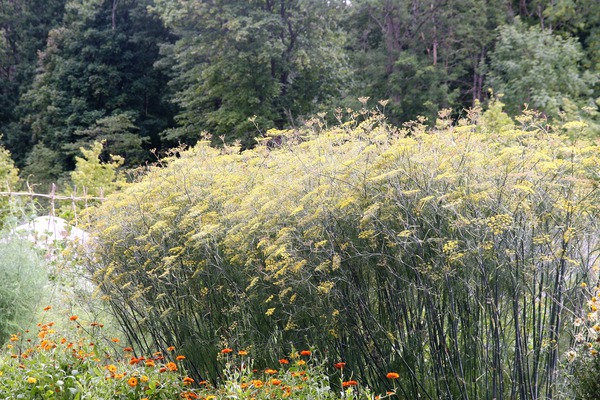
(242, 353)
(111, 368)
(300, 362)
(133, 381)
(144, 378)
(31, 379)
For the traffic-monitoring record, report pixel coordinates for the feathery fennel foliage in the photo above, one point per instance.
(452, 255)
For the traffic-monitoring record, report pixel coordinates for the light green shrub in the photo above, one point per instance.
(22, 285)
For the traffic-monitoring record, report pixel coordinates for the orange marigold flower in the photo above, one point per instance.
(349, 383)
(116, 340)
(187, 380)
(133, 361)
(339, 365)
(171, 348)
(73, 318)
(242, 353)
(284, 361)
(47, 308)
(171, 366)
(128, 349)
(393, 375)
(256, 383)
(179, 358)
(276, 382)
(189, 396)
(305, 353)
(270, 371)
(150, 363)
(162, 369)
(133, 381)
(226, 351)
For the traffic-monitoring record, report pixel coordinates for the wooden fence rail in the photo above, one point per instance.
(53, 197)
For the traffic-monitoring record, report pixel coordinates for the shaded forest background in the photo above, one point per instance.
(152, 74)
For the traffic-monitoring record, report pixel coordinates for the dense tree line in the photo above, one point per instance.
(149, 74)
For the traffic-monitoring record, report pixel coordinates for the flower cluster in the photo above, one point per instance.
(59, 365)
(51, 364)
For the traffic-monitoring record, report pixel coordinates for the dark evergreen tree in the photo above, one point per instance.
(24, 27)
(97, 81)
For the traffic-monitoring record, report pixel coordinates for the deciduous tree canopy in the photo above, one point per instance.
(149, 74)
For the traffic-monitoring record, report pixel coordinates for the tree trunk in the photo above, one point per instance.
(114, 14)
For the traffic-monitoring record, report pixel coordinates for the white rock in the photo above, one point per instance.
(46, 231)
